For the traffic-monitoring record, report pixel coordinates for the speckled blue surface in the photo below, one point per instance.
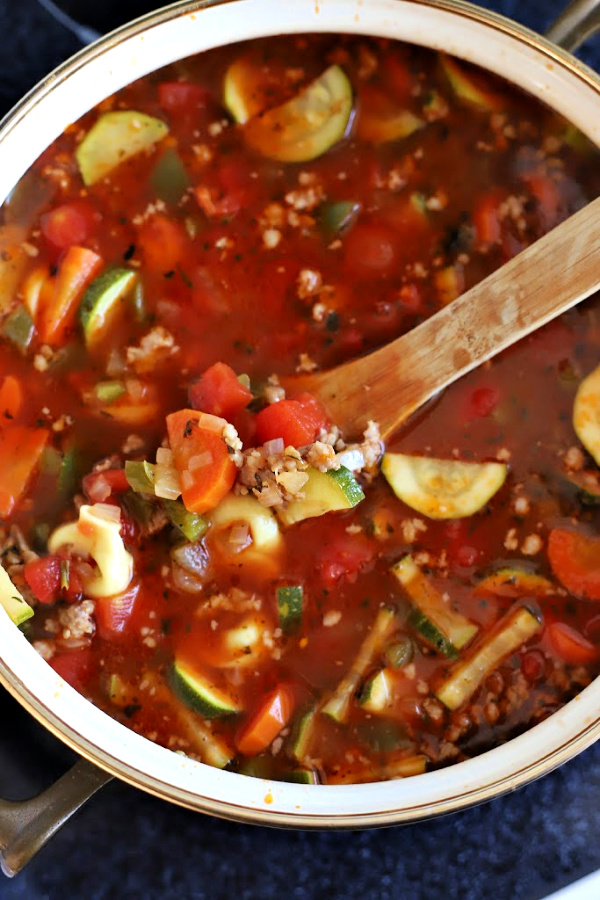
(125, 844)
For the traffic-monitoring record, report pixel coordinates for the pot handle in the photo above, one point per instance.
(26, 826)
(579, 21)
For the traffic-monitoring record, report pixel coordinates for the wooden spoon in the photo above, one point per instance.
(551, 276)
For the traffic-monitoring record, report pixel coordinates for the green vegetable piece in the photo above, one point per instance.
(289, 607)
(115, 137)
(109, 391)
(191, 525)
(446, 630)
(12, 600)
(306, 126)
(514, 630)
(51, 461)
(400, 652)
(442, 488)
(303, 736)
(65, 571)
(323, 492)
(140, 475)
(19, 328)
(200, 694)
(169, 178)
(467, 85)
(586, 414)
(337, 706)
(301, 776)
(338, 217)
(103, 300)
(376, 695)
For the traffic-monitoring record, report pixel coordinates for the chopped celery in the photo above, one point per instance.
(109, 391)
(338, 704)
(301, 776)
(190, 524)
(169, 177)
(140, 475)
(19, 328)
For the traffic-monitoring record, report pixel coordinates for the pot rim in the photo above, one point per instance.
(548, 70)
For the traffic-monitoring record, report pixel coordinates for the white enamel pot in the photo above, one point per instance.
(109, 748)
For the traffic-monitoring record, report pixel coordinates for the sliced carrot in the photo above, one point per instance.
(575, 560)
(570, 645)
(11, 398)
(20, 451)
(77, 269)
(271, 716)
(202, 459)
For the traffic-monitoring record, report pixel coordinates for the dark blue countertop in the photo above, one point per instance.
(125, 844)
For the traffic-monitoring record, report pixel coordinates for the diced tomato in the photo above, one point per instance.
(411, 298)
(115, 615)
(219, 392)
(244, 423)
(270, 718)
(370, 250)
(551, 206)
(76, 667)
(570, 644)
(297, 421)
(482, 402)
(575, 560)
(70, 223)
(398, 76)
(98, 486)
(183, 98)
(343, 557)
(43, 577)
(486, 219)
(11, 398)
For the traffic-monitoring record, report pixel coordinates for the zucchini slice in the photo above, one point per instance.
(303, 736)
(586, 414)
(12, 600)
(442, 628)
(442, 488)
(511, 581)
(197, 690)
(306, 126)
(323, 492)
(514, 630)
(587, 483)
(337, 706)
(376, 694)
(290, 601)
(469, 85)
(251, 85)
(115, 137)
(102, 302)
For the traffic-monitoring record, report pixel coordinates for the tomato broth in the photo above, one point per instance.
(218, 565)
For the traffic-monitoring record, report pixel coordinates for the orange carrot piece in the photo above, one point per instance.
(271, 716)
(11, 398)
(20, 451)
(77, 269)
(202, 459)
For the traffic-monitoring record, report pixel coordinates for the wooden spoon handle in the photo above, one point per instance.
(547, 278)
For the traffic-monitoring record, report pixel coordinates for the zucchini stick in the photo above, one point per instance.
(443, 628)
(517, 627)
(338, 704)
(211, 749)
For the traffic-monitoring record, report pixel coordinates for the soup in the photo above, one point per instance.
(209, 558)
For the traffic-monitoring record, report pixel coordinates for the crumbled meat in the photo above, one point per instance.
(77, 621)
(155, 346)
(236, 600)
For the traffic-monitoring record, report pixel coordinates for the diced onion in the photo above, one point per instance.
(192, 557)
(200, 461)
(211, 423)
(166, 482)
(239, 536)
(275, 446)
(135, 389)
(164, 457)
(99, 490)
(108, 511)
(352, 459)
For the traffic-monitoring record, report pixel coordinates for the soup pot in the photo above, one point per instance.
(110, 749)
